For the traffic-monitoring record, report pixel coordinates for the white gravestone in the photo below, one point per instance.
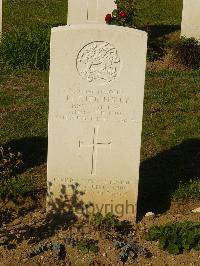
(190, 26)
(89, 11)
(97, 75)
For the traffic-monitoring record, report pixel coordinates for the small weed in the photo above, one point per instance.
(12, 187)
(156, 48)
(187, 51)
(10, 163)
(187, 190)
(15, 189)
(88, 245)
(111, 222)
(176, 237)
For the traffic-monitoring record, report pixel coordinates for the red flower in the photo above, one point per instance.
(108, 18)
(122, 14)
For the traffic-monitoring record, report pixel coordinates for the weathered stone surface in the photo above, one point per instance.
(97, 78)
(190, 26)
(89, 11)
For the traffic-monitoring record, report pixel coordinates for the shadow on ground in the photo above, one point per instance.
(33, 150)
(156, 31)
(63, 211)
(160, 175)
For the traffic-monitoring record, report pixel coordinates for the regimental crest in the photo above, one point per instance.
(98, 62)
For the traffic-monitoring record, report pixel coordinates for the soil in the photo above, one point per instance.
(23, 230)
(168, 62)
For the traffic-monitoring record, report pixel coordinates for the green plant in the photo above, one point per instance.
(15, 189)
(88, 245)
(26, 48)
(124, 15)
(187, 51)
(10, 163)
(110, 222)
(176, 237)
(156, 48)
(12, 187)
(187, 190)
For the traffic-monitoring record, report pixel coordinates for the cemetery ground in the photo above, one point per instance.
(170, 155)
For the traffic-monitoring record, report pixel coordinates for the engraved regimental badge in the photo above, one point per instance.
(98, 62)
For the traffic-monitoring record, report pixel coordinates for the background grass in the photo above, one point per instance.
(170, 138)
(18, 13)
(163, 12)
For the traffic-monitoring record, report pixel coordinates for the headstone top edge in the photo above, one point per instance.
(99, 27)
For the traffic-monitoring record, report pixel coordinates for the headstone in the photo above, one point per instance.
(190, 26)
(97, 75)
(89, 11)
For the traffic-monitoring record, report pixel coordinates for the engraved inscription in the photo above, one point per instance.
(98, 62)
(115, 187)
(95, 145)
(97, 105)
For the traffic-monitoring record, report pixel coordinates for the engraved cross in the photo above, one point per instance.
(95, 145)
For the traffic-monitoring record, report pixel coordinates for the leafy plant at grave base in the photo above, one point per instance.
(110, 222)
(58, 249)
(176, 237)
(26, 48)
(130, 250)
(12, 187)
(187, 190)
(124, 15)
(156, 48)
(88, 245)
(187, 51)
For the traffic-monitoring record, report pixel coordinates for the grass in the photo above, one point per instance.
(191, 189)
(172, 108)
(24, 105)
(162, 13)
(18, 13)
(170, 140)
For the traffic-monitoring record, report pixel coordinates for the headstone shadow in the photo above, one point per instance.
(161, 175)
(63, 212)
(33, 150)
(156, 31)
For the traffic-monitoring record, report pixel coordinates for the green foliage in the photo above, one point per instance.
(15, 189)
(12, 187)
(26, 48)
(18, 13)
(176, 237)
(187, 190)
(110, 222)
(187, 50)
(88, 245)
(156, 48)
(124, 15)
(10, 163)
